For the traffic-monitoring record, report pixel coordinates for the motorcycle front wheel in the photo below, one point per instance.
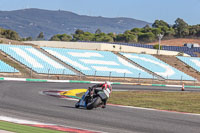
(94, 103)
(77, 104)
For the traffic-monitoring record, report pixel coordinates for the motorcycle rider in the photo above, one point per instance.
(105, 86)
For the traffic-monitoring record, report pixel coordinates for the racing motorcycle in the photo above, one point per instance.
(92, 100)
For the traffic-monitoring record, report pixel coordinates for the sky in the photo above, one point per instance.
(146, 10)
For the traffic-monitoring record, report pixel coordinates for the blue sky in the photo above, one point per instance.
(147, 10)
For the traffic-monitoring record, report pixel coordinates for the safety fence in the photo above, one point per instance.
(91, 82)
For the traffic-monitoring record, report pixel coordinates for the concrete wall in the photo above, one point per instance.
(100, 46)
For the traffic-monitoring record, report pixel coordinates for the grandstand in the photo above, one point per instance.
(92, 61)
(34, 59)
(157, 66)
(191, 61)
(5, 68)
(190, 51)
(99, 63)
(184, 49)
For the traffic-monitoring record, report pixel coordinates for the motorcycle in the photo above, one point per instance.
(92, 99)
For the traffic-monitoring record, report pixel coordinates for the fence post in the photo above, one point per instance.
(110, 76)
(167, 77)
(63, 73)
(181, 79)
(80, 75)
(31, 73)
(153, 79)
(124, 76)
(95, 72)
(48, 72)
(13, 72)
(138, 77)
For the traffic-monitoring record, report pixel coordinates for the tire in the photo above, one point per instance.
(96, 101)
(77, 104)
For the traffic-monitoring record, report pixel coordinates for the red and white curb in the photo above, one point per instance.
(46, 125)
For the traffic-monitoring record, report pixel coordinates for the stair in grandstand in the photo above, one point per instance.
(15, 64)
(192, 65)
(59, 61)
(138, 65)
(97, 63)
(34, 60)
(157, 66)
(180, 65)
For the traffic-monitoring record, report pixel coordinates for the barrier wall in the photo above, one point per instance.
(100, 46)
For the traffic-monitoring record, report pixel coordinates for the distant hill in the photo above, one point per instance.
(30, 22)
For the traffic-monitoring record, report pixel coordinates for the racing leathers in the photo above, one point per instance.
(105, 86)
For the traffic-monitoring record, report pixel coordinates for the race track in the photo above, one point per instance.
(23, 100)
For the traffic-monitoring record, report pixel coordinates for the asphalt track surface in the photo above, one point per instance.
(23, 100)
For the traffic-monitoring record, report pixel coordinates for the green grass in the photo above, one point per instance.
(173, 101)
(17, 128)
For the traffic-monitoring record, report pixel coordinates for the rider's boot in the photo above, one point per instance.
(103, 106)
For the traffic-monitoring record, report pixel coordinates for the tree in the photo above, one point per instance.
(98, 31)
(165, 28)
(27, 39)
(160, 23)
(136, 30)
(181, 28)
(146, 37)
(198, 30)
(61, 37)
(80, 35)
(128, 32)
(170, 32)
(9, 34)
(127, 38)
(65, 37)
(192, 31)
(85, 36)
(156, 31)
(40, 36)
(55, 38)
(146, 28)
(156, 46)
(102, 37)
(131, 38)
(78, 31)
(112, 35)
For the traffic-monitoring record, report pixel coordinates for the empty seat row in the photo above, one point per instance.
(7, 68)
(157, 66)
(99, 63)
(193, 62)
(34, 59)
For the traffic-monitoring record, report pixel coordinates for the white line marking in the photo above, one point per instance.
(20, 121)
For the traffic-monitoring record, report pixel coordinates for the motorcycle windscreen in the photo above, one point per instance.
(102, 95)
